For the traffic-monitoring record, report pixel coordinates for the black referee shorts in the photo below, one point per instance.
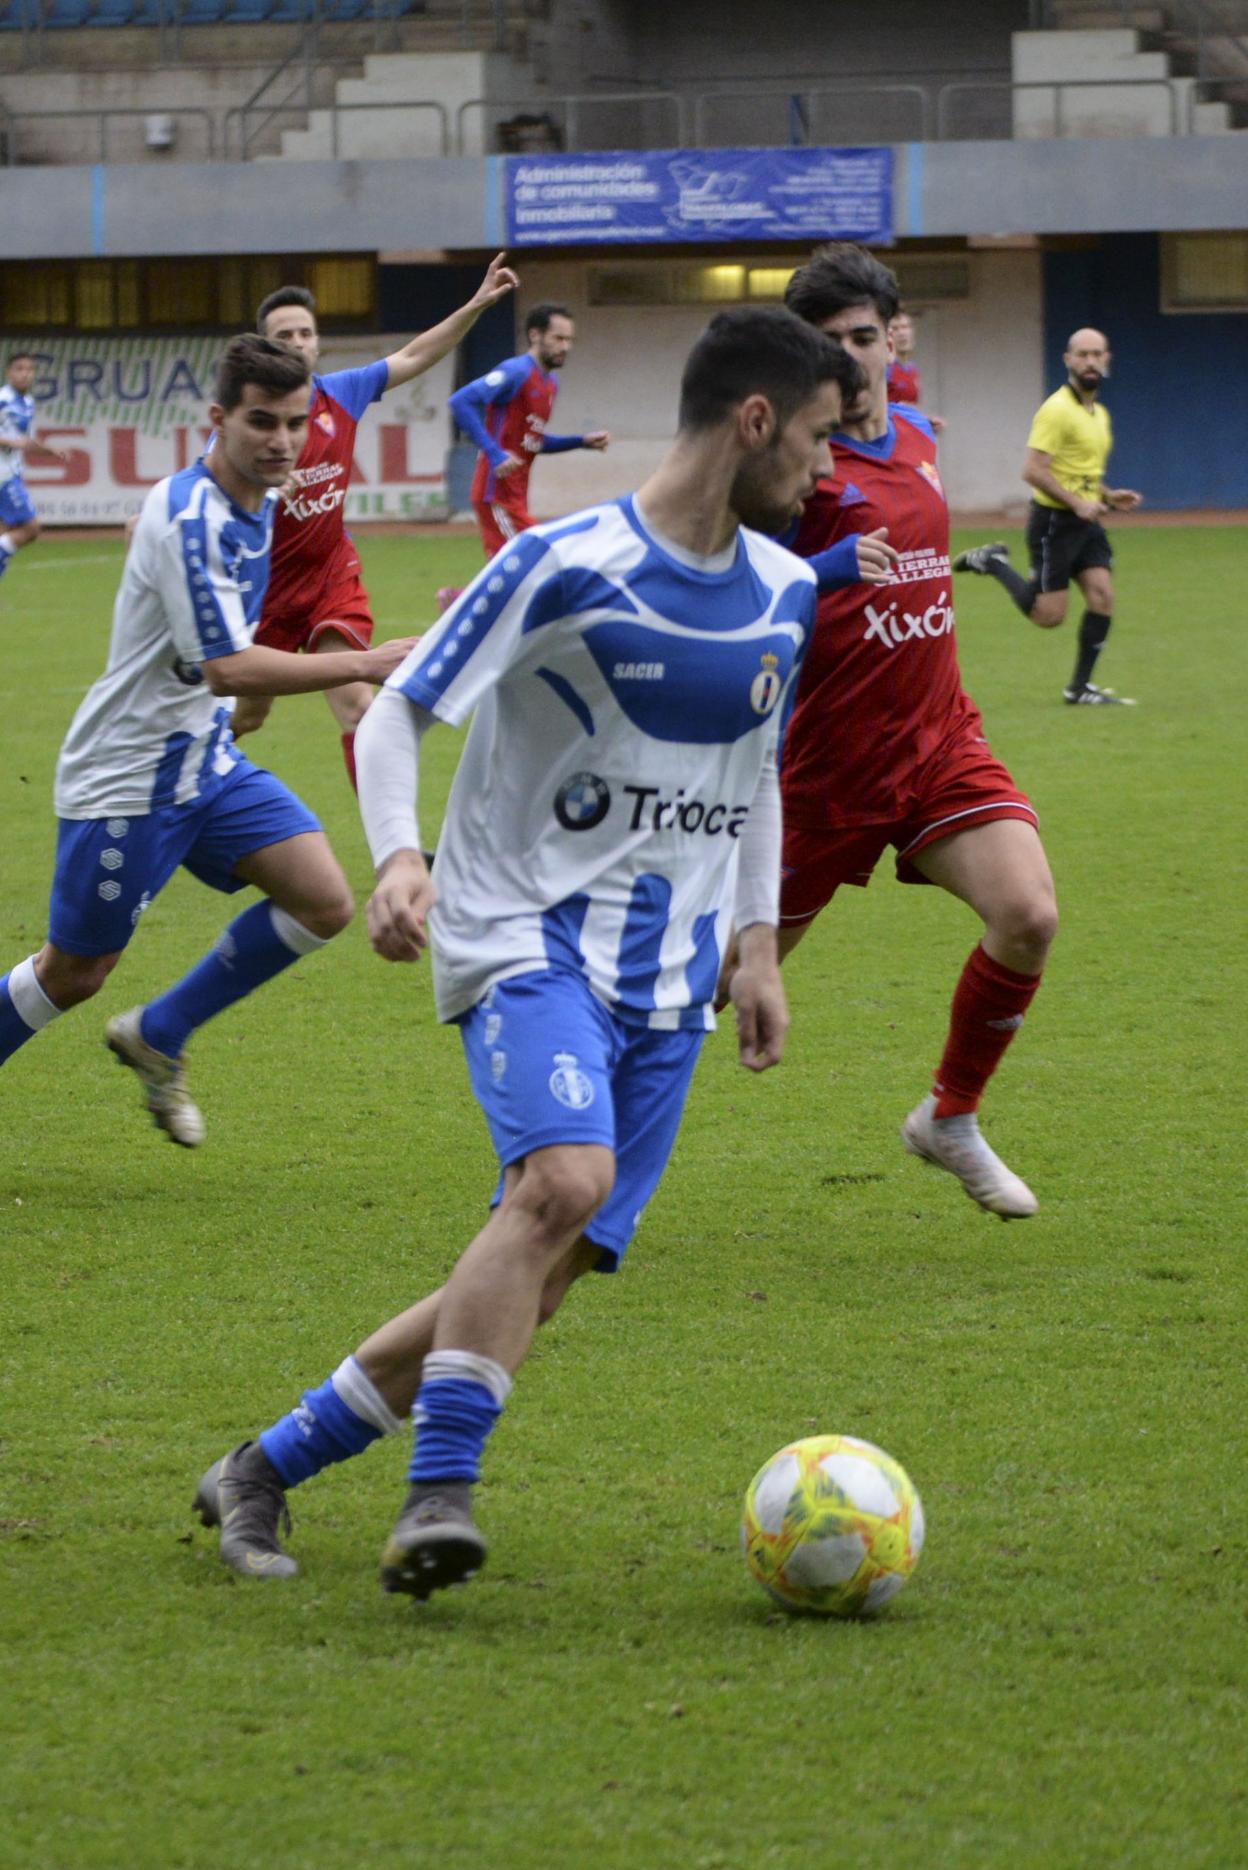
(1062, 545)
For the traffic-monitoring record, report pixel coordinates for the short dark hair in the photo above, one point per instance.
(539, 318)
(838, 275)
(285, 295)
(760, 350)
(15, 357)
(252, 359)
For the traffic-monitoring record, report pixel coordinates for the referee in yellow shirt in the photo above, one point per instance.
(1067, 450)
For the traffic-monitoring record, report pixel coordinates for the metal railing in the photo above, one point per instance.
(805, 105)
(684, 120)
(566, 114)
(12, 120)
(1175, 89)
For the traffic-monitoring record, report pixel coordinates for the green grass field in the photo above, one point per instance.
(1061, 1686)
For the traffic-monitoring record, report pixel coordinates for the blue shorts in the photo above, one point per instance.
(109, 869)
(550, 1064)
(16, 506)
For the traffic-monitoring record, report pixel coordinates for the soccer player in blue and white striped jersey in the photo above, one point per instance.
(19, 522)
(615, 811)
(149, 777)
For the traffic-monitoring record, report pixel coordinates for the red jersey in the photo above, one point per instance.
(880, 691)
(904, 385)
(308, 534)
(506, 412)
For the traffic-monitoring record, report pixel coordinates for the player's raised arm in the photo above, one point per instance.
(433, 345)
(387, 753)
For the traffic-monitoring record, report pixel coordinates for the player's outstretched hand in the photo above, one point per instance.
(598, 438)
(876, 557)
(507, 466)
(398, 908)
(498, 282)
(757, 993)
(1122, 499)
(1086, 509)
(382, 662)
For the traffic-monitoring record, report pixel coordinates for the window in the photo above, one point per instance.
(183, 295)
(1204, 272)
(925, 278)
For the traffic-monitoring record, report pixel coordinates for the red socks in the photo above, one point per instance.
(988, 1009)
(348, 754)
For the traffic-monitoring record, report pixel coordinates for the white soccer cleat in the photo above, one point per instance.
(163, 1079)
(954, 1143)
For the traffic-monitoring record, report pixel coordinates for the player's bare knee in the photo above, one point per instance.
(1048, 610)
(69, 979)
(250, 712)
(1026, 926)
(563, 1191)
(332, 914)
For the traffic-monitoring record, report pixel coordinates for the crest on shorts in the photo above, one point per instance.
(569, 1083)
(766, 686)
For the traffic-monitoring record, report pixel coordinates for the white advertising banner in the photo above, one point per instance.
(129, 411)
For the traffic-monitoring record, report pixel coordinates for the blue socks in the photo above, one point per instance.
(341, 1418)
(25, 1008)
(257, 945)
(461, 1397)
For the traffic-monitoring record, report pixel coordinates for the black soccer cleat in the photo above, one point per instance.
(979, 557)
(435, 1542)
(1090, 696)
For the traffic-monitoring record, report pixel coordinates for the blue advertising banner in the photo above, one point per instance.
(692, 194)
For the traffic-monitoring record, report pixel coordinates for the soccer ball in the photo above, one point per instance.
(832, 1525)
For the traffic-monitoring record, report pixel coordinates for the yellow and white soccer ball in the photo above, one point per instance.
(832, 1525)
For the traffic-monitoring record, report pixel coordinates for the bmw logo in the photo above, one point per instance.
(582, 802)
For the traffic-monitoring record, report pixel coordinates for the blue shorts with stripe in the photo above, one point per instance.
(108, 870)
(550, 1064)
(16, 506)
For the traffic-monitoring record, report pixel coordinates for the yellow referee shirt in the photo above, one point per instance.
(1078, 437)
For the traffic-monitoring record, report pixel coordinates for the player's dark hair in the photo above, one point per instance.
(285, 295)
(539, 318)
(760, 351)
(838, 275)
(15, 357)
(252, 359)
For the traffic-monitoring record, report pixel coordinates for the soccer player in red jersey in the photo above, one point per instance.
(904, 382)
(886, 748)
(505, 412)
(316, 599)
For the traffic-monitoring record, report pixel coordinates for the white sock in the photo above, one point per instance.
(363, 1398)
(30, 1002)
(468, 1366)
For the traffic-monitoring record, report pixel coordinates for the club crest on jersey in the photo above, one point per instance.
(766, 686)
(582, 802)
(569, 1083)
(325, 422)
(928, 470)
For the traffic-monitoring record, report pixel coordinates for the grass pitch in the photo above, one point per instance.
(1063, 1682)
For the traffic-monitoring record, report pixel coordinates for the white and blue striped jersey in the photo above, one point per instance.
(17, 417)
(151, 732)
(627, 702)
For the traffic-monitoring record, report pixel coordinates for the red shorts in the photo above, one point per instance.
(965, 787)
(342, 606)
(500, 523)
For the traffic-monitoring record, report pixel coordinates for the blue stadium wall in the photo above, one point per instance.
(1179, 392)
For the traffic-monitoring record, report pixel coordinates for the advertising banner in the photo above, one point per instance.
(129, 411)
(700, 194)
